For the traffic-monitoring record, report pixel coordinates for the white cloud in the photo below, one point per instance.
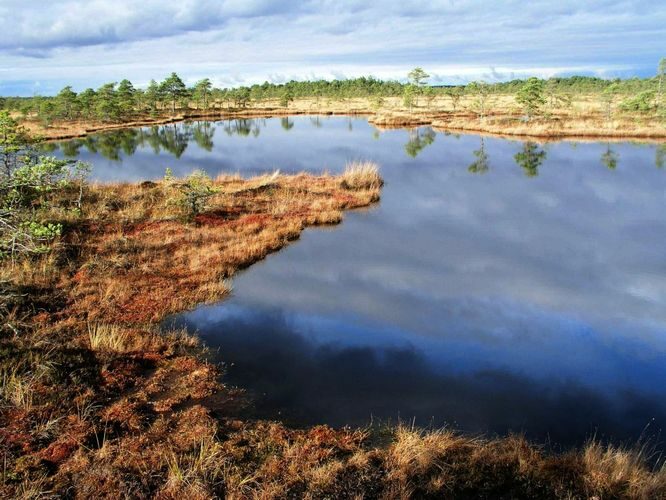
(235, 42)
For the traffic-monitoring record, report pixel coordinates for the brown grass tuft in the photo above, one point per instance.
(361, 175)
(612, 472)
(17, 388)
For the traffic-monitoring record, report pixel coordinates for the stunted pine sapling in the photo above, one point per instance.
(196, 190)
(530, 97)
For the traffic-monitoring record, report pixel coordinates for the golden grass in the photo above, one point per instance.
(612, 472)
(115, 381)
(17, 388)
(130, 411)
(108, 338)
(143, 262)
(195, 474)
(585, 116)
(361, 175)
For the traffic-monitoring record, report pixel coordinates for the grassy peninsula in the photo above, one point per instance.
(98, 401)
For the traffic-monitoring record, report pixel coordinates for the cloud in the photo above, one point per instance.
(73, 23)
(87, 43)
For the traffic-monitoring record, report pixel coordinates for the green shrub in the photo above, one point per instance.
(196, 190)
(641, 103)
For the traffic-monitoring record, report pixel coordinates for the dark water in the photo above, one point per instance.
(498, 285)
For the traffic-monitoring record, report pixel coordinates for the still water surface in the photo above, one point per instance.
(498, 285)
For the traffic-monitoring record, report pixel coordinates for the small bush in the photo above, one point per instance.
(641, 103)
(196, 190)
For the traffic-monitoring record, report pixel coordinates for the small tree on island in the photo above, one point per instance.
(531, 97)
(408, 95)
(418, 77)
(286, 98)
(417, 80)
(153, 95)
(66, 103)
(481, 92)
(608, 97)
(455, 94)
(86, 100)
(126, 95)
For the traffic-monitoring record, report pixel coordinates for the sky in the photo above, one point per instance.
(45, 45)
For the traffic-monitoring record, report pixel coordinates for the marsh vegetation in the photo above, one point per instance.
(99, 399)
(554, 107)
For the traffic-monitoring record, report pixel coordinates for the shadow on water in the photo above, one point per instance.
(289, 374)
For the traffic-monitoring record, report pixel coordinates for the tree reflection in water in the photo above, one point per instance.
(480, 165)
(609, 158)
(530, 158)
(419, 139)
(172, 138)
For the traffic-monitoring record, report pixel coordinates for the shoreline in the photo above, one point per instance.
(81, 129)
(494, 125)
(150, 400)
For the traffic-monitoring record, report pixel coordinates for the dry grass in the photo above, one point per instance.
(110, 383)
(17, 388)
(361, 175)
(196, 474)
(101, 403)
(612, 472)
(108, 337)
(583, 117)
(143, 262)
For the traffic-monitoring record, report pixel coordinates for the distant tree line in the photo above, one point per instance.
(123, 102)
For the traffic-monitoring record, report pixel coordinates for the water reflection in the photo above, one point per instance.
(286, 123)
(172, 138)
(203, 133)
(243, 127)
(480, 165)
(530, 158)
(660, 156)
(419, 139)
(493, 302)
(291, 372)
(609, 158)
